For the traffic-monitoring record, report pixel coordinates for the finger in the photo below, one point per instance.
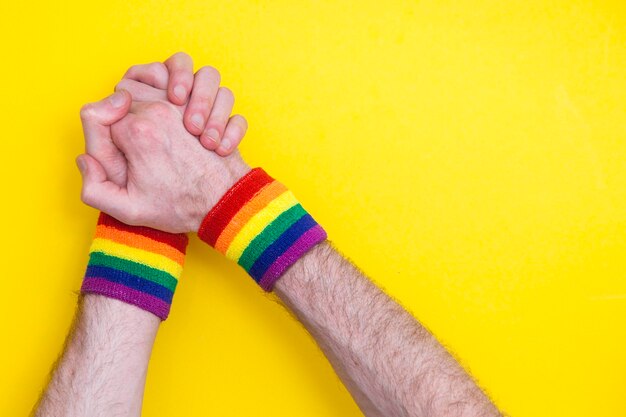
(154, 74)
(216, 124)
(131, 133)
(100, 193)
(205, 86)
(180, 67)
(140, 91)
(97, 117)
(233, 135)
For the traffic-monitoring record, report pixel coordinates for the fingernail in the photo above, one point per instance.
(81, 164)
(212, 134)
(180, 92)
(198, 121)
(225, 145)
(118, 99)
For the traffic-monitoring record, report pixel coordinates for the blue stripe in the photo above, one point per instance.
(132, 281)
(280, 245)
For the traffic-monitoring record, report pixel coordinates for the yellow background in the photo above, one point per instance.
(468, 155)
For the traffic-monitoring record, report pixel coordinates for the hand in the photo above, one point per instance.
(171, 181)
(208, 109)
(152, 82)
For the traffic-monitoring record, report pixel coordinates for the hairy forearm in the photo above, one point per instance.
(102, 370)
(389, 362)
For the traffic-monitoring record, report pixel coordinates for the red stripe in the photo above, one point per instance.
(234, 199)
(178, 241)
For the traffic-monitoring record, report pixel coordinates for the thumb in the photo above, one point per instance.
(97, 117)
(102, 194)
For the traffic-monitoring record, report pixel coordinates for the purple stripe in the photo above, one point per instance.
(128, 295)
(310, 238)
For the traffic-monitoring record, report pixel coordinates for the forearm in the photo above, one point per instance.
(390, 363)
(102, 371)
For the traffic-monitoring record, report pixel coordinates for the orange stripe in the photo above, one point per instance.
(252, 207)
(140, 242)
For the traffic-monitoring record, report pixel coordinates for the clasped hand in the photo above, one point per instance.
(147, 159)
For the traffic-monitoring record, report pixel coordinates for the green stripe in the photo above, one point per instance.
(143, 271)
(271, 232)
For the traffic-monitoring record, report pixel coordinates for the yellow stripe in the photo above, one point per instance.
(258, 222)
(141, 256)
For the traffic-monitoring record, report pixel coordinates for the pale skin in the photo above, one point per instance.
(389, 362)
(102, 371)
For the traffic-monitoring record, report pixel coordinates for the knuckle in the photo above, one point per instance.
(227, 93)
(210, 72)
(124, 84)
(151, 72)
(179, 63)
(132, 71)
(86, 196)
(158, 109)
(157, 68)
(140, 127)
(87, 111)
(181, 54)
(241, 121)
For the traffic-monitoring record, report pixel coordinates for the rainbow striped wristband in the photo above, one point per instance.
(260, 225)
(137, 265)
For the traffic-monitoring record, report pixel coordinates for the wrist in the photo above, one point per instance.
(260, 224)
(134, 264)
(105, 309)
(309, 271)
(214, 188)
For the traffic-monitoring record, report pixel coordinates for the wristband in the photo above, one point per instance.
(134, 264)
(260, 225)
